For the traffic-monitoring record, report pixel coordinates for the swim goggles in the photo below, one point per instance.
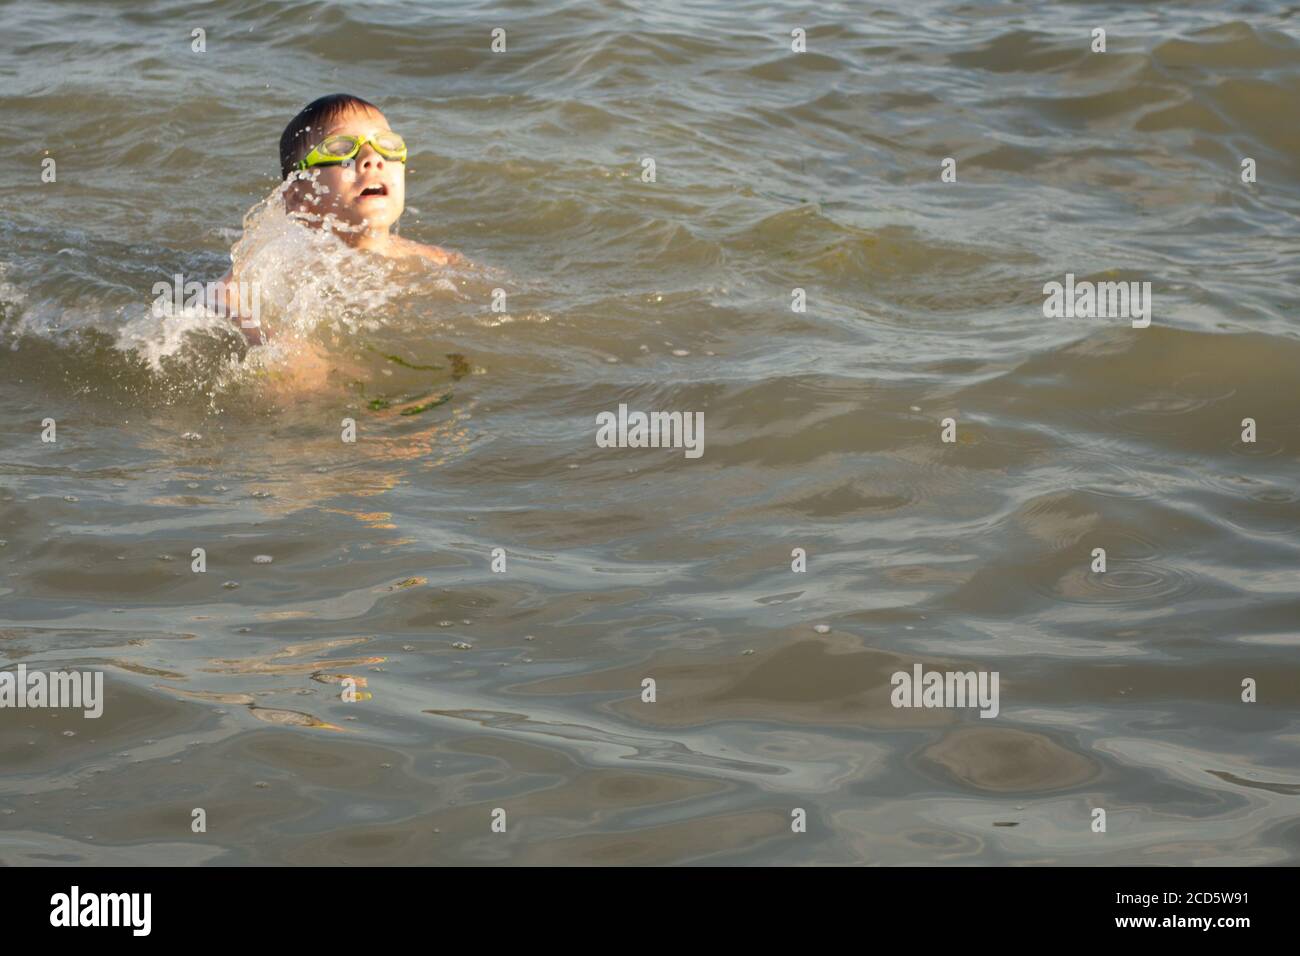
(341, 148)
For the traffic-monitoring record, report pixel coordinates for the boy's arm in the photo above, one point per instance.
(228, 303)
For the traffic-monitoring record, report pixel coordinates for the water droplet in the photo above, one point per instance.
(822, 628)
(71, 498)
(263, 559)
(230, 585)
(462, 646)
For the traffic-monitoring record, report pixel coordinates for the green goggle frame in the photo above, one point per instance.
(341, 148)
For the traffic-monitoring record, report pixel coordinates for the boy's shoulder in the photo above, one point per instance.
(407, 247)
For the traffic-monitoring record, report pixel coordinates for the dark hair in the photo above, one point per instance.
(303, 132)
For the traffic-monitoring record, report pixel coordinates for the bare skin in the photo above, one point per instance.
(366, 196)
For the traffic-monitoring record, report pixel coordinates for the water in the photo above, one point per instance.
(522, 690)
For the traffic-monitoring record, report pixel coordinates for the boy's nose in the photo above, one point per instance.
(368, 158)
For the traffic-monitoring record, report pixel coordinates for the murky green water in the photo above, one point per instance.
(522, 690)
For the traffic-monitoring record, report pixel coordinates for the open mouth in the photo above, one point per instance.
(371, 191)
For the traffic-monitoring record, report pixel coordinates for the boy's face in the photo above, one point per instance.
(369, 190)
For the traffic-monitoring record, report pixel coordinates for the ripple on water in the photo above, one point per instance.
(1003, 760)
(1126, 582)
(1255, 505)
(1113, 479)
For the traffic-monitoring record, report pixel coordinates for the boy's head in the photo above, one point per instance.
(366, 189)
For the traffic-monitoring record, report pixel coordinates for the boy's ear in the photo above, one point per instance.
(292, 192)
(298, 192)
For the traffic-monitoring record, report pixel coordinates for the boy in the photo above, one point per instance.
(343, 144)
